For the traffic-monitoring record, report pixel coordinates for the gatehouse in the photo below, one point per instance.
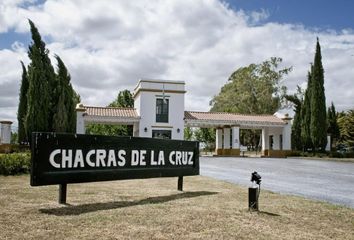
(159, 112)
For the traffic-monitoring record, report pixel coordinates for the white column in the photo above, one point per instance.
(328, 146)
(136, 130)
(218, 144)
(287, 133)
(5, 132)
(227, 137)
(235, 137)
(265, 139)
(80, 123)
(276, 142)
(287, 136)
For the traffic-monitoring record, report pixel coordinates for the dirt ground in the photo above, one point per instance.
(154, 209)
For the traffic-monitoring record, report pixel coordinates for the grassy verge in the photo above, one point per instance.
(153, 209)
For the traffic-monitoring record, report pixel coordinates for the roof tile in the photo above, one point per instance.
(220, 116)
(111, 112)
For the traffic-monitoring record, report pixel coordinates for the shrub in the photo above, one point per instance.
(13, 148)
(15, 163)
(348, 155)
(293, 153)
(334, 154)
(306, 154)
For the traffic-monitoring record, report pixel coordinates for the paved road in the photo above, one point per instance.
(321, 180)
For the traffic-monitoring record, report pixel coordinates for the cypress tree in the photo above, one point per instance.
(64, 117)
(297, 100)
(22, 106)
(40, 77)
(333, 128)
(306, 115)
(318, 124)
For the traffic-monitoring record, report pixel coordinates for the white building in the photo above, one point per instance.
(5, 132)
(159, 112)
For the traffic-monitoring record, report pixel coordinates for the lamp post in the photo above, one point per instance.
(254, 191)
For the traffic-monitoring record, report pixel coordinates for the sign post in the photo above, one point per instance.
(180, 184)
(77, 158)
(62, 193)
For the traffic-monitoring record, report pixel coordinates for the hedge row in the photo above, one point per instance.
(13, 148)
(332, 154)
(15, 163)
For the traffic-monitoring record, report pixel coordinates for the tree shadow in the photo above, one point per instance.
(264, 213)
(93, 207)
(269, 214)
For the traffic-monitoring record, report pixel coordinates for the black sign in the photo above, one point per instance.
(76, 158)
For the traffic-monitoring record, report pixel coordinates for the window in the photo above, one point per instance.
(281, 142)
(271, 142)
(162, 134)
(162, 110)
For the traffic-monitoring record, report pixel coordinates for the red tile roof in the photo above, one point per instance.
(231, 117)
(189, 116)
(111, 112)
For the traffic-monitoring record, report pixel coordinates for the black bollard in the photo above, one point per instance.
(253, 199)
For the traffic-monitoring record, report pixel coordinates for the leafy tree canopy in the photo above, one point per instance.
(124, 99)
(255, 89)
(346, 126)
(206, 136)
(188, 134)
(333, 128)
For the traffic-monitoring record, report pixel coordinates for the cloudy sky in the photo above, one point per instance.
(109, 45)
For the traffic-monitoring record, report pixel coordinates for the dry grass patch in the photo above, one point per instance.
(154, 209)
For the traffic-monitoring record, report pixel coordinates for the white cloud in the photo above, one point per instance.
(108, 45)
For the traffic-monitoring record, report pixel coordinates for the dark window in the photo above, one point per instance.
(281, 142)
(162, 110)
(271, 142)
(162, 134)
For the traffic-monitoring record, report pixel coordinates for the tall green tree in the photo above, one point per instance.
(22, 107)
(124, 99)
(318, 104)
(64, 119)
(306, 115)
(346, 128)
(333, 128)
(14, 138)
(255, 89)
(297, 100)
(41, 78)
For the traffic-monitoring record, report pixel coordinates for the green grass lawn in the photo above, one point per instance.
(154, 209)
